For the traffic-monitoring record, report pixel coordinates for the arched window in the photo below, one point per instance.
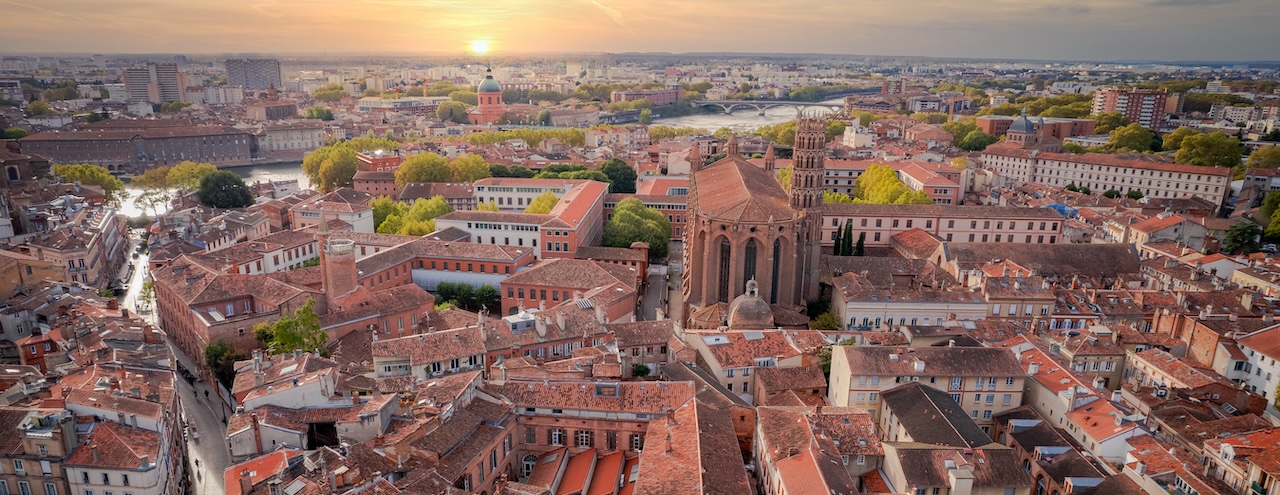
(725, 251)
(527, 464)
(749, 263)
(773, 281)
(13, 172)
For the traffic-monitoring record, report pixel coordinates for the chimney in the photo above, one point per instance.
(600, 316)
(540, 324)
(542, 305)
(94, 450)
(273, 487)
(951, 343)
(1033, 368)
(113, 303)
(1233, 316)
(257, 359)
(1246, 300)
(257, 432)
(1116, 396)
(259, 378)
(146, 460)
(919, 365)
(124, 312)
(246, 482)
(333, 481)
(297, 353)
(560, 320)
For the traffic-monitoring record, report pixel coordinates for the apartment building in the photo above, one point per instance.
(1102, 172)
(984, 381)
(952, 223)
(155, 83)
(261, 73)
(577, 219)
(1144, 106)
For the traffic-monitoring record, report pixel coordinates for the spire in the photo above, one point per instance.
(769, 159)
(731, 147)
(695, 157)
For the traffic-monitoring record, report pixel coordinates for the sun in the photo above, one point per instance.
(480, 47)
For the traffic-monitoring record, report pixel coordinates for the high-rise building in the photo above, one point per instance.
(155, 83)
(1144, 106)
(253, 73)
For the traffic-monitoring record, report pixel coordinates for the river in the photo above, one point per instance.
(743, 120)
(251, 174)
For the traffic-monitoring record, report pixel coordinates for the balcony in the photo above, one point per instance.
(1257, 488)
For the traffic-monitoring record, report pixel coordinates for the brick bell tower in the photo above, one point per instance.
(808, 161)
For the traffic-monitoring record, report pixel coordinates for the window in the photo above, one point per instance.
(991, 398)
(584, 438)
(860, 460)
(995, 310)
(986, 414)
(24, 488)
(860, 397)
(18, 468)
(956, 383)
(555, 436)
(956, 397)
(1006, 399)
(50, 489)
(873, 397)
(530, 436)
(637, 442)
(611, 440)
(106, 480)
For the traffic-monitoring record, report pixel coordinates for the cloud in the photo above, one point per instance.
(614, 14)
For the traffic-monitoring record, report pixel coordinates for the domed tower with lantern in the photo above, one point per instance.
(489, 106)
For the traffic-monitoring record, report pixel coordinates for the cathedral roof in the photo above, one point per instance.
(1023, 125)
(734, 190)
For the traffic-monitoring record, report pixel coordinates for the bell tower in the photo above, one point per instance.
(807, 185)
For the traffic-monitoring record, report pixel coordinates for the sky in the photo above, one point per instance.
(1025, 29)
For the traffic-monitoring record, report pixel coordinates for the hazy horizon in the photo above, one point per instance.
(1086, 30)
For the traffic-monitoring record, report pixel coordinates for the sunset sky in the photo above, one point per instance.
(1048, 29)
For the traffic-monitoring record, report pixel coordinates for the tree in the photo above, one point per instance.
(220, 357)
(469, 168)
(372, 92)
(414, 91)
(825, 321)
(384, 206)
(1213, 149)
(544, 203)
(297, 332)
(489, 205)
(1173, 140)
(500, 170)
(452, 111)
(224, 189)
(92, 175)
(846, 240)
(834, 128)
(188, 174)
(465, 96)
(487, 298)
(1107, 122)
(622, 178)
(1265, 157)
(646, 117)
(38, 108)
(427, 209)
(1111, 193)
(1074, 148)
(837, 241)
(1242, 238)
(640, 370)
(824, 355)
(330, 93)
(320, 113)
(829, 197)
(1270, 204)
(859, 249)
(977, 141)
(392, 224)
(424, 167)
(15, 133)
(153, 199)
(880, 185)
(543, 118)
(152, 178)
(959, 128)
(784, 178)
(173, 106)
(1085, 191)
(1132, 137)
(1134, 194)
(631, 222)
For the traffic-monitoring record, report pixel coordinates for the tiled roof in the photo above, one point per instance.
(636, 397)
(692, 452)
(642, 332)
(928, 415)
(118, 447)
(426, 348)
(936, 210)
(1051, 260)
(992, 468)
(260, 469)
(741, 349)
(734, 190)
(815, 467)
(939, 361)
(572, 274)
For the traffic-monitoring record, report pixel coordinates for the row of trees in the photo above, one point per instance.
(94, 175)
(785, 133)
(844, 243)
(430, 167)
(462, 295)
(393, 217)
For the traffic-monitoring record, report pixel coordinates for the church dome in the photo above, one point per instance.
(749, 310)
(1023, 125)
(489, 85)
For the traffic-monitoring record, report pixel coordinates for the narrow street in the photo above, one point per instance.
(205, 415)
